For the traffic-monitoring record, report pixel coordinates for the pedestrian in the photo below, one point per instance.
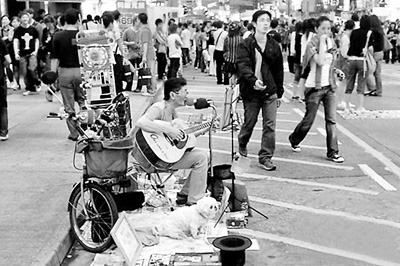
(342, 63)
(320, 87)
(26, 46)
(205, 55)
(220, 35)
(374, 82)
(148, 55)
(161, 42)
(65, 61)
(249, 31)
(357, 63)
(5, 60)
(116, 43)
(131, 38)
(7, 33)
(274, 31)
(210, 29)
(260, 77)
(197, 47)
(174, 51)
(392, 33)
(231, 45)
(295, 49)
(185, 36)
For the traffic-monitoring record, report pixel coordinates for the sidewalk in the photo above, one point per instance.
(37, 175)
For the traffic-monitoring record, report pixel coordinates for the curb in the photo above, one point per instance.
(57, 246)
(60, 242)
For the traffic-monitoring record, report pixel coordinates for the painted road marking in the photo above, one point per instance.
(368, 149)
(334, 166)
(285, 131)
(309, 183)
(322, 131)
(278, 143)
(349, 216)
(377, 178)
(315, 247)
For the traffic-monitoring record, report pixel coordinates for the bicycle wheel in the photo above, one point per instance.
(92, 229)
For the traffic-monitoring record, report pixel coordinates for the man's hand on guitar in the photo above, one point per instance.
(175, 133)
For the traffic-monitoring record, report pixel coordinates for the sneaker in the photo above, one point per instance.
(335, 158)
(27, 93)
(181, 199)
(138, 90)
(48, 95)
(267, 164)
(243, 150)
(196, 68)
(38, 88)
(295, 148)
(4, 138)
(73, 138)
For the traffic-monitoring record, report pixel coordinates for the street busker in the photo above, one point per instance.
(320, 87)
(260, 76)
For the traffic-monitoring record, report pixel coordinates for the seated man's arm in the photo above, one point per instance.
(149, 122)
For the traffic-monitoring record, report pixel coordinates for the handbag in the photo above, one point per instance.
(144, 77)
(230, 68)
(369, 63)
(387, 45)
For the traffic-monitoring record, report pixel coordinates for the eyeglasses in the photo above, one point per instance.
(264, 20)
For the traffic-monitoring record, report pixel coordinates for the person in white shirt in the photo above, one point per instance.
(219, 36)
(175, 51)
(185, 35)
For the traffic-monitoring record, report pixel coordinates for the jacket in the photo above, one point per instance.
(271, 68)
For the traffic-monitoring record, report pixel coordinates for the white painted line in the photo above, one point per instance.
(377, 178)
(346, 215)
(298, 111)
(315, 247)
(277, 120)
(375, 153)
(334, 166)
(259, 141)
(322, 131)
(308, 183)
(285, 100)
(284, 131)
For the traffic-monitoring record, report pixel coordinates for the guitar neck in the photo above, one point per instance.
(197, 128)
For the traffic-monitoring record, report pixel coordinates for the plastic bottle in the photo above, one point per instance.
(240, 165)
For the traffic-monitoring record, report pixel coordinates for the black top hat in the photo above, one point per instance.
(49, 77)
(232, 249)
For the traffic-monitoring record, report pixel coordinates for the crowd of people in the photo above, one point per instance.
(328, 62)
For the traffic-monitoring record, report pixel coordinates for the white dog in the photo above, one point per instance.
(189, 221)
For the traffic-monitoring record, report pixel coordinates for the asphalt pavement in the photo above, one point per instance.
(320, 213)
(37, 174)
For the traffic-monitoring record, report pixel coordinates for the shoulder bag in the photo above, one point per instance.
(387, 45)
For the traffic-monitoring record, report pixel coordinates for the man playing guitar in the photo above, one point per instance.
(175, 95)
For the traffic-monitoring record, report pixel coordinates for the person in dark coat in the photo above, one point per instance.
(260, 76)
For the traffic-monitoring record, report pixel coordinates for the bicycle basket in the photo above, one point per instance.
(106, 159)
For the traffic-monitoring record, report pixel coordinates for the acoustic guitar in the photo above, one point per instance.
(160, 151)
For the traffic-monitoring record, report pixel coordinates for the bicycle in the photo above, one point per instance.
(92, 207)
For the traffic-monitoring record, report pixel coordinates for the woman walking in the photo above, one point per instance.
(320, 87)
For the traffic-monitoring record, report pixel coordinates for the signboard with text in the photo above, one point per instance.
(129, 10)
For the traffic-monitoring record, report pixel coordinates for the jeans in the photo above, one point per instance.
(3, 109)
(173, 67)
(185, 56)
(251, 110)
(28, 70)
(118, 73)
(219, 60)
(161, 64)
(196, 183)
(374, 82)
(356, 68)
(313, 99)
(69, 81)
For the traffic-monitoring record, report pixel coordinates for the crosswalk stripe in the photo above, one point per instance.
(308, 183)
(334, 166)
(377, 178)
(259, 141)
(315, 247)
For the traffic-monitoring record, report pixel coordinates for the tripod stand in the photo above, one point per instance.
(231, 99)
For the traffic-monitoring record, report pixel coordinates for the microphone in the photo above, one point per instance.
(199, 103)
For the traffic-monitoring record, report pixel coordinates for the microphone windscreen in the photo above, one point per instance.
(201, 103)
(190, 101)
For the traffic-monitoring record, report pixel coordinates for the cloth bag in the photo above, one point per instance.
(369, 63)
(144, 77)
(387, 45)
(134, 52)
